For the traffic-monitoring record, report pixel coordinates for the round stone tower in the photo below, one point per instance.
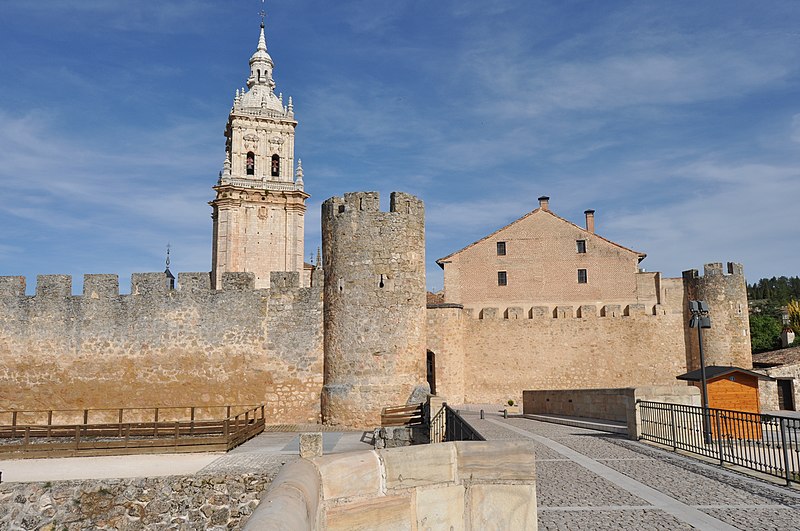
(727, 342)
(374, 265)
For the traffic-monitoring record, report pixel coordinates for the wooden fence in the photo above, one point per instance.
(42, 433)
(409, 415)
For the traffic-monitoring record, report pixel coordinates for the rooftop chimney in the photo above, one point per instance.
(589, 220)
(544, 202)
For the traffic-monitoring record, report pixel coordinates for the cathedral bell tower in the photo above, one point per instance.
(259, 209)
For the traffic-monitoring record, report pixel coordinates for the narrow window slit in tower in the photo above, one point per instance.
(380, 284)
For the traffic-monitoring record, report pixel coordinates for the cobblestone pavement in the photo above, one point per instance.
(587, 479)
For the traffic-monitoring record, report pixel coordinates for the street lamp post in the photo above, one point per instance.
(700, 320)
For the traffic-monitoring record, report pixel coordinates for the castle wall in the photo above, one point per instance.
(161, 347)
(446, 341)
(374, 266)
(508, 350)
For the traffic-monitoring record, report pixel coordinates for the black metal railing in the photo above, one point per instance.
(769, 444)
(447, 425)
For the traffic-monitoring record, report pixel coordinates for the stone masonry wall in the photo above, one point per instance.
(374, 266)
(181, 503)
(161, 347)
(727, 342)
(446, 342)
(506, 352)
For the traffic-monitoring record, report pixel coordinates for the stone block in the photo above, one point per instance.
(282, 508)
(282, 280)
(310, 445)
(636, 309)
(587, 311)
(496, 461)
(358, 474)
(563, 312)
(389, 513)
(539, 312)
(238, 281)
(414, 466)
(12, 287)
(515, 312)
(440, 508)
(53, 286)
(611, 310)
(100, 286)
(489, 313)
(502, 507)
(148, 284)
(194, 282)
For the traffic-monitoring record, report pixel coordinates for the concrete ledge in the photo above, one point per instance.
(582, 422)
(610, 406)
(464, 485)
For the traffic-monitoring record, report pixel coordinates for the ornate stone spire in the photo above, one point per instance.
(261, 64)
(299, 174)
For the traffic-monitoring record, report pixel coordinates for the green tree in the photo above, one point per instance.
(765, 332)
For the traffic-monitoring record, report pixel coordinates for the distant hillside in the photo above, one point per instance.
(775, 291)
(767, 297)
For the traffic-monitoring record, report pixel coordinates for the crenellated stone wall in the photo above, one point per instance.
(187, 346)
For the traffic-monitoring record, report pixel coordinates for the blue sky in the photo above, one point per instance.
(678, 122)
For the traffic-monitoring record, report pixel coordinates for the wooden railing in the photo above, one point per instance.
(411, 415)
(43, 433)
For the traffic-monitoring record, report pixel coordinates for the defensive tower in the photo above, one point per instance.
(259, 210)
(727, 342)
(374, 309)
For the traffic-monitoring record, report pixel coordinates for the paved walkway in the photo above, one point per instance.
(263, 454)
(587, 479)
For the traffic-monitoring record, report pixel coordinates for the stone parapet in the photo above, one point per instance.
(617, 405)
(462, 485)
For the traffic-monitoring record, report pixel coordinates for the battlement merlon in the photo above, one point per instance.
(284, 280)
(715, 269)
(194, 282)
(399, 203)
(12, 287)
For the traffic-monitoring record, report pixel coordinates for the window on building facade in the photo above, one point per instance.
(582, 279)
(581, 244)
(276, 165)
(501, 248)
(502, 278)
(251, 163)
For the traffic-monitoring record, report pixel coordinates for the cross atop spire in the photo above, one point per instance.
(263, 14)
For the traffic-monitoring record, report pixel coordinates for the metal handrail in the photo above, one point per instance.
(447, 425)
(769, 444)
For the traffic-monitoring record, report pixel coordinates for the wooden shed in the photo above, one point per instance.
(729, 387)
(736, 389)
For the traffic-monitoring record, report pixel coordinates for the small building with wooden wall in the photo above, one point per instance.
(731, 388)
